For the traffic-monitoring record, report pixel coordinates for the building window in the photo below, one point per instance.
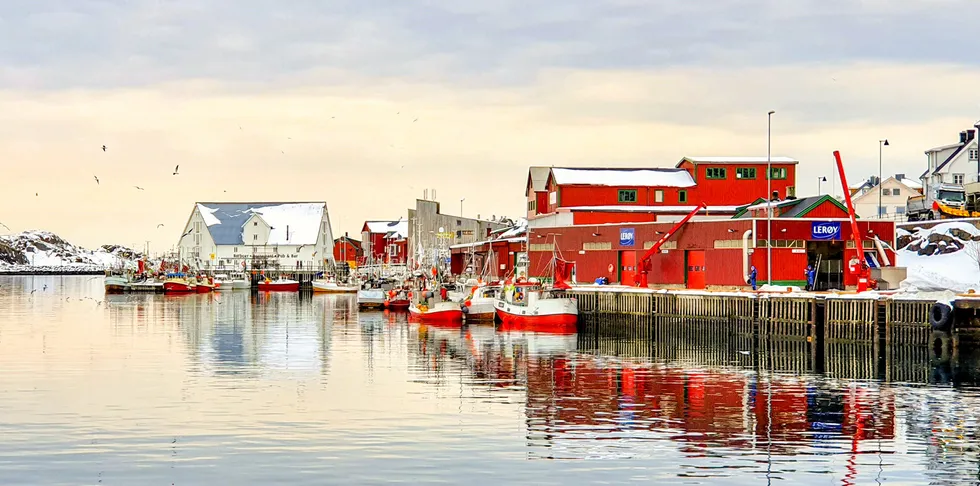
(886, 192)
(973, 154)
(899, 209)
(896, 192)
(627, 195)
(255, 237)
(882, 211)
(553, 197)
(957, 178)
(745, 173)
(791, 191)
(682, 196)
(715, 173)
(658, 196)
(777, 173)
(234, 250)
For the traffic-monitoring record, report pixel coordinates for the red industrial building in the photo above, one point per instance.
(499, 257)
(385, 241)
(566, 196)
(717, 253)
(347, 249)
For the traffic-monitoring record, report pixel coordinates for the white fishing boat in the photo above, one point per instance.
(240, 281)
(116, 284)
(479, 304)
(330, 286)
(373, 298)
(222, 283)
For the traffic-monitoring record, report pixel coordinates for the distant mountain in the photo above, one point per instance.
(45, 252)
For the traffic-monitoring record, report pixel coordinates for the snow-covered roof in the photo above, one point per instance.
(943, 147)
(739, 160)
(538, 177)
(519, 228)
(396, 229)
(623, 177)
(653, 209)
(479, 243)
(911, 183)
(225, 221)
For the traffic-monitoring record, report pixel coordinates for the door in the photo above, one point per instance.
(627, 267)
(695, 269)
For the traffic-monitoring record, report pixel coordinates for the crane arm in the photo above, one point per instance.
(855, 233)
(643, 266)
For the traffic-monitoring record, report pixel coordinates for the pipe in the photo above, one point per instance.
(885, 262)
(745, 253)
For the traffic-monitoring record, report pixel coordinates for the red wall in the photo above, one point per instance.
(351, 252)
(594, 217)
(732, 191)
(379, 248)
(459, 258)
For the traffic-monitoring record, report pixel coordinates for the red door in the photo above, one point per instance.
(627, 267)
(695, 269)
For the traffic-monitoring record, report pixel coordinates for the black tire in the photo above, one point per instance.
(941, 317)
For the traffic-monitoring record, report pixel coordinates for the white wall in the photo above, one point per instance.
(866, 206)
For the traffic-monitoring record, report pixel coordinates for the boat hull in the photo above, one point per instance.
(331, 288)
(203, 288)
(279, 286)
(479, 310)
(371, 299)
(116, 285)
(438, 315)
(240, 285)
(398, 304)
(556, 316)
(178, 288)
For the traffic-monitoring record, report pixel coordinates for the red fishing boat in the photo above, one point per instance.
(204, 285)
(529, 307)
(177, 283)
(440, 314)
(398, 299)
(280, 284)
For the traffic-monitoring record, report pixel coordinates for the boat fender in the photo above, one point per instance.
(429, 294)
(941, 316)
(466, 310)
(468, 303)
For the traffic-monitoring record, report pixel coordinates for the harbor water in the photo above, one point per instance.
(245, 389)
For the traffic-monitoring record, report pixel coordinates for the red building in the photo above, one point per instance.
(564, 196)
(716, 253)
(505, 254)
(385, 242)
(346, 249)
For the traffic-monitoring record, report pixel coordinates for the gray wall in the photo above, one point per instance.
(463, 230)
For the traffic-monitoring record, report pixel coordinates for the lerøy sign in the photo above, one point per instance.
(627, 237)
(825, 230)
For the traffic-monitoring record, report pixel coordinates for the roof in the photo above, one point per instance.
(943, 147)
(397, 229)
(519, 239)
(952, 156)
(350, 240)
(225, 221)
(623, 177)
(519, 228)
(537, 178)
(793, 208)
(911, 183)
(739, 160)
(653, 209)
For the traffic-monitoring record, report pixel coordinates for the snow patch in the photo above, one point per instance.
(208, 215)
(301, 219)
(624, 177)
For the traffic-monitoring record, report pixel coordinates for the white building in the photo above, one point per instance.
(283, 235)
(952, 164)
(895, 192)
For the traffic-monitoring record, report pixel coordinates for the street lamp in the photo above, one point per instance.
(881, 144)
(769, 198)
(820, 180)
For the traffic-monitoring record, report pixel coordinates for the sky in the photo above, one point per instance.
(366, 103)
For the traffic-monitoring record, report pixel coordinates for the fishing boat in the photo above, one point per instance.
(371, 298)
(281, 284)
(222, 282)
(240, 281)
(116, 284)
(530, 307)
(479, 304)
(441, 313)
(177, 283)
(204, 285)
(398, 299)
(330, 286)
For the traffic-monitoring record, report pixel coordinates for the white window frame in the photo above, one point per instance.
(658, 195)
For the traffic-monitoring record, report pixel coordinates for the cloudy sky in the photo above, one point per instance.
(364, 103)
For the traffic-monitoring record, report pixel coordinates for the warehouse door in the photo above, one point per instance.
(828, 257)
(695, 269)
(627, 267)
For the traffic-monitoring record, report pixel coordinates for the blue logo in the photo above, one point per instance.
(627, 237)
(825, 230)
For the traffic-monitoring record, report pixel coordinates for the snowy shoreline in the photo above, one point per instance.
(34, 271)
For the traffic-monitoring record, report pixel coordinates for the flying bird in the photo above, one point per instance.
(159, 225)
(415, 120)
(5, 226)
(187, 233)
(176, 169)
(103, 148)
(96, 179)
(35, 194)
(138, 187)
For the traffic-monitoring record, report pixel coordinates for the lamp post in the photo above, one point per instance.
(820, 180)
(881, 145)
(769, 198)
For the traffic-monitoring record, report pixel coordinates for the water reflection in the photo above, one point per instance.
(212, 389)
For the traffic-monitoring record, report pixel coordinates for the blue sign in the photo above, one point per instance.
(627, 237)
(825, 230)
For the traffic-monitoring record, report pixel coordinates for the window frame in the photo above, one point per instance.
(741, 170)
(682, 196)
(778, 170)
(658, 195)
(621, 192)
(720, 175)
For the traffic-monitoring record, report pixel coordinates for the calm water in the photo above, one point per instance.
(282, 389)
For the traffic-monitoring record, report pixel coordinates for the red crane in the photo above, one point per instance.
(861, 270)
(643, 266)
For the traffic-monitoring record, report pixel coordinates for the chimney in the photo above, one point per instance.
(900, 176)
(970, 134)
(962, 137)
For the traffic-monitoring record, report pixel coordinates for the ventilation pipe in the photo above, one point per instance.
(885, 262)
(745, 252)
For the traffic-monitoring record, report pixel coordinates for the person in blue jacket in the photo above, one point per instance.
(811, 277)
(753, 275)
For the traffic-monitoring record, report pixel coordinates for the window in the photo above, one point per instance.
(553, 197)
(255, 223)
(682, 196)
(882, 211)
(899, 209)
(777, 173)
(957, 178)
(715, 172)
(235, 250)
(886, 192)
(896, 192)
(745, 173)
(255, 237)
(973, 154)
(791, 191)
(627, 195)
(658, 196)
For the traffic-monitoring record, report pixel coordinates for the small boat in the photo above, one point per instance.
(441, 313)
(177, 283)
(280, 284)
(479, 304)
(398, 299)
(325, 286)
(204, 285)
(531, 308)
(116, 284)
(222, 282)
(240, 281)
(373, 298)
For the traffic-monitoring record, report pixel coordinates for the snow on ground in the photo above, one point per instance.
(42, 251)
(956, 271)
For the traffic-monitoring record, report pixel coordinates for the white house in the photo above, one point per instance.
(228, 235)
(952, 164)
(895, 192)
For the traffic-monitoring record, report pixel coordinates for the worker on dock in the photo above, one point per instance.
(753, 275)
(811, 277)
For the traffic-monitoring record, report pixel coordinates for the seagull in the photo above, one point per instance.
(415, 120)
(187, 233)
(239, 127)
(5, 226)
(176, 169)
(160, 225)
(138, 187)
(96, 179)
(283, 152)
(103, 148)
(35, 194)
